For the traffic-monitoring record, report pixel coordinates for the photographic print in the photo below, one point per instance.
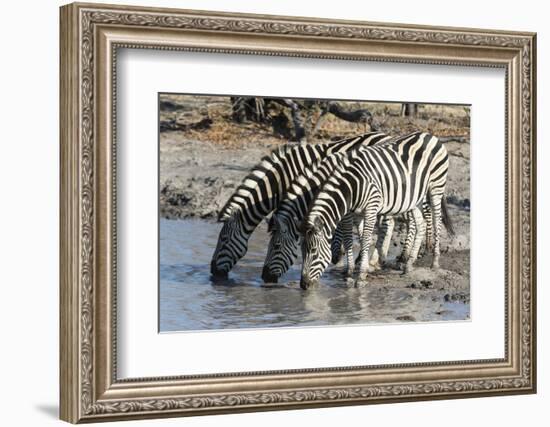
(287, 212)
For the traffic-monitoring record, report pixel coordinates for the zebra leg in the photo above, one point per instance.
(374, 256)
(418, 238)
(409, 238)
(385, 233)
(369, 220)
(427, 213)
(347, 235)
(435, 201)
(373, 264)
(336, 244)
(374, 261)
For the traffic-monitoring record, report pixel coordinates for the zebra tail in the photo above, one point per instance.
(446, 218)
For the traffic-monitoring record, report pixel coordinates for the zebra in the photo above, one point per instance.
(390, 178)
(385, 229)
(261, 191)
(283, 226)
(283, 246)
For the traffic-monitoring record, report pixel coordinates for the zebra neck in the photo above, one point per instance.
(254, 213)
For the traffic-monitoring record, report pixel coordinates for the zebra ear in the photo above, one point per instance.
(224, 216)
(272, 222)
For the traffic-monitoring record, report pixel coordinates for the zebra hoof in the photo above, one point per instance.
(371, 268)
(408, 269)
(350, 283)
(429, 245)
(348, 273)
(360, 283)
(374, 266)
(337, 260)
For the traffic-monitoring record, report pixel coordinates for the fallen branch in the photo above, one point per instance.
(175, 126)
(354, 116)
(459, 139)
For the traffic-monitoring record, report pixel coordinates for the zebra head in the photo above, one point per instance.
(316, 252)
(231, 247)
(283, 247)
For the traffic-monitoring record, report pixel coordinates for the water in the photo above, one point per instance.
(190, 300)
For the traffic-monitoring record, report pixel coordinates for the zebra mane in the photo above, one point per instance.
(295, 188)
(302, 181)
(342, 161)
(276, 155)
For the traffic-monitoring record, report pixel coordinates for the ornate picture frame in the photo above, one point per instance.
(90, 37)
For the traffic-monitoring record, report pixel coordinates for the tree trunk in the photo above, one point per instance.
(297, 118)
(409, 109)
(238, 106)
(248, 108)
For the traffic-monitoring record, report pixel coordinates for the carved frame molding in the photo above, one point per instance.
(90, 37)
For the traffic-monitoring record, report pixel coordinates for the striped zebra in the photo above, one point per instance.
(386, 225)
(283, 226)
(261, 191)
(385, 179)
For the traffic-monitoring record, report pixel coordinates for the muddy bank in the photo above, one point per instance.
(198, 177)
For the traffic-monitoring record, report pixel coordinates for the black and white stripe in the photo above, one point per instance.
(284, 243)
(261, 191)
(386, 179)
(284, 224)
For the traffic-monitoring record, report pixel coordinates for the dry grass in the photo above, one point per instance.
(441, 120)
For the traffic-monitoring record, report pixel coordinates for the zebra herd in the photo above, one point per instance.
(314, 193)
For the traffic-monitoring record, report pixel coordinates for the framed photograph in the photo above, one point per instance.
(267, 212)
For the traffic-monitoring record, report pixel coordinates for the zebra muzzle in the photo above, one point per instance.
(217, 273)
(306, 283)
(268, 276)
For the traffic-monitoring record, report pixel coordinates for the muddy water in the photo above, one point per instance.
(190, 300)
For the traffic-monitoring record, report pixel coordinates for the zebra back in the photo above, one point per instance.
(266, 184)
(401, 170)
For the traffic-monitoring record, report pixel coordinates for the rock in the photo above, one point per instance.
(427, 284)
(462, 297)
(406, 318)
(443, 312)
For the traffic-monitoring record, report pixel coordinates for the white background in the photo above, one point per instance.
(145, 353)
(29, 174)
